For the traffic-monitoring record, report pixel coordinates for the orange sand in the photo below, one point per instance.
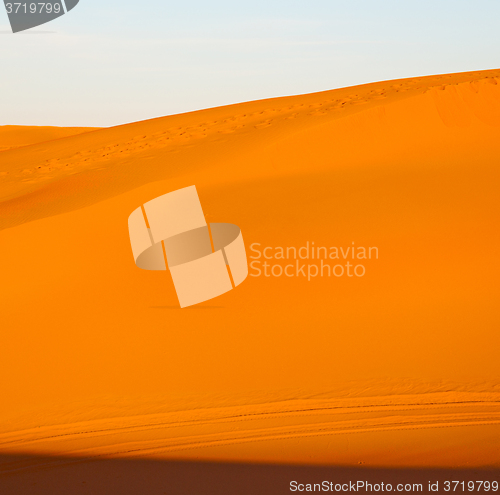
(15, 136)
(398, 368)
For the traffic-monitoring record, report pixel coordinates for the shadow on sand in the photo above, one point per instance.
(29, 475)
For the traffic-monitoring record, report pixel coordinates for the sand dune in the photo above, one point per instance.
(15, 136)
(398, 368)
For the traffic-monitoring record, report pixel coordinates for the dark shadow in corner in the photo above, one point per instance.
(37, 475)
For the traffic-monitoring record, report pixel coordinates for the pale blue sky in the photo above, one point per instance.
(109, 62)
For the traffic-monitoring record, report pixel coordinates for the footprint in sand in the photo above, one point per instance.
(322, 111)
(377, 95)
(262, 125)
(44, 169)
(358, 102)
(231, 130)
(201, 135)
